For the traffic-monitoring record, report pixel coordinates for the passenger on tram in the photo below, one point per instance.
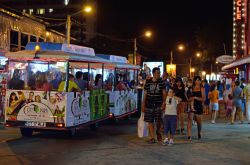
(16, 82)
(42, 83)
(72, 85)
(121, 86)
(82, 84)
(98, 81)
(57, 78)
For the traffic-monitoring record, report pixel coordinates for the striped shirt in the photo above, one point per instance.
(154, 91)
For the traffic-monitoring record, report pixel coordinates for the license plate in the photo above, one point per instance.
(35, 124)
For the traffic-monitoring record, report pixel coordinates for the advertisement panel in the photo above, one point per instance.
(171, 70)
(151, 65)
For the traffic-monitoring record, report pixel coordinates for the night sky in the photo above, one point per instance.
(172, 22)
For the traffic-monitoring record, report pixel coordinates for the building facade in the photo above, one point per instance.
(16, 30)
(241, 40)
(55, 12)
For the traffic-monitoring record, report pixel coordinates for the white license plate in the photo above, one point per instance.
(35, 124)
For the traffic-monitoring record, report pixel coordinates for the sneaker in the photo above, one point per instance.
(199, 136)
(151, 141)
(165, 142)
(241, 122)
(171, 142)
(189, 138)
(213, 122)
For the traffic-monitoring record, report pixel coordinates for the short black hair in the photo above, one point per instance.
(79, 74)
(237, 83)
(155, 69)
(71, 76)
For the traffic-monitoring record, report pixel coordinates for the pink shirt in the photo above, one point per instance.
(229, 104)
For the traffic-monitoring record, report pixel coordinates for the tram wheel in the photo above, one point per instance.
(94, 126)
(26, 132)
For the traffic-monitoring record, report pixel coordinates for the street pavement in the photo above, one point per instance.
(221, 144)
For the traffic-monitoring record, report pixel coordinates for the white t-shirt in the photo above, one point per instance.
(171, 106)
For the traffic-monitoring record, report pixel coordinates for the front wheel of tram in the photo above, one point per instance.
(26, 132)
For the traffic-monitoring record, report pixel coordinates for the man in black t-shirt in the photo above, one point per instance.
(153, 103)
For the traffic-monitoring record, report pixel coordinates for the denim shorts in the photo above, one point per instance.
(214, 106)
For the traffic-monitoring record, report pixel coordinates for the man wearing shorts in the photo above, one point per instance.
(153, 103)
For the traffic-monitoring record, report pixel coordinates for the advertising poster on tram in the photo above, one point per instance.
(37, 106)
(123, 102)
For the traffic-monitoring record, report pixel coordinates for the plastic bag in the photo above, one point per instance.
(142, 127)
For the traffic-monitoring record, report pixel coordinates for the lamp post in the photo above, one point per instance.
(86, 9)
(198, 54)
(147, 34)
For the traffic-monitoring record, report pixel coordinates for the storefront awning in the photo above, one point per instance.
(242, 61)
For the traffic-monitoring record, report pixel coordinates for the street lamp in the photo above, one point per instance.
(198, 54)
(86, 9)
(147, 34)
(180, 48)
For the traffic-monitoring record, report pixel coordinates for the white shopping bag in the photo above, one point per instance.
(142, 127)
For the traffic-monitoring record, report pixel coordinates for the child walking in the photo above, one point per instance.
(170, 117)
(229, 106)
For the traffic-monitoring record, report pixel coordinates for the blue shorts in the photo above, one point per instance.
(170, 123)
(214, 106)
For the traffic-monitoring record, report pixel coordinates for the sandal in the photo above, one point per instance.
(151, 141)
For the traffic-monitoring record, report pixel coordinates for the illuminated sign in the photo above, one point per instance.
(75, 49)
(171, 70)
(238, 9)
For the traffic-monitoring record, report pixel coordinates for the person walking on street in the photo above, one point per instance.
(198, 99)
(170, 117)
(246, 91)
(189, 110)
(181, 93)
(237, 102)
(206, 103)
(213, 95)
(153, 102)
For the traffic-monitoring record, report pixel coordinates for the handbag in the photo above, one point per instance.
(142, 127)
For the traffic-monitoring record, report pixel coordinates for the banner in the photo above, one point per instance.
(171, 70)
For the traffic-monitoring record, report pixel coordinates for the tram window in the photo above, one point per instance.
(80, 71)
(32, 38)
(108, 77)
(121, 79)
(17, 75)
(95, 75)
(24, 41)
(13, 41)
(57, 73)
(130, 79)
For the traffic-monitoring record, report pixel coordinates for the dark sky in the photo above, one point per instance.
(172, 21)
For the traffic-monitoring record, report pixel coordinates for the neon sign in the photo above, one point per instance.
(238, 9)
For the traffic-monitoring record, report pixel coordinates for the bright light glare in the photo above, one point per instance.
(148, 33)
(198, 54)
(87, 9)
(192, 70)
(181, 47)
(203, 73)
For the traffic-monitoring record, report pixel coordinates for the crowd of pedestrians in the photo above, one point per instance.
(166, 100)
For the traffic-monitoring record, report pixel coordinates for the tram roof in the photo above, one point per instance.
(56, 52)
(119, 61)
(29, 55)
